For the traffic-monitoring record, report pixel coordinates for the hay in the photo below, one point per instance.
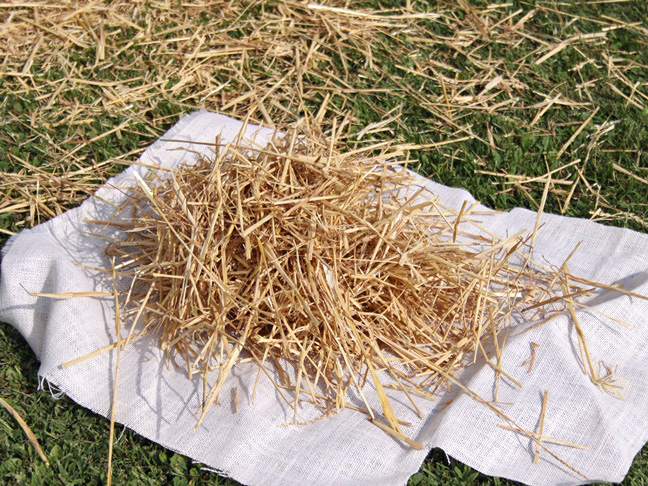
(78, 79)
(28, 431)
(329, 271)
(37, 194)
(89, 77)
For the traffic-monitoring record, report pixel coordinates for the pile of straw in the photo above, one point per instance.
(327, 270)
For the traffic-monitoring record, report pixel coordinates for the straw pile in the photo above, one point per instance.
(327, 270)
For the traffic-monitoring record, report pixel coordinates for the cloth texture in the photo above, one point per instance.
(258, 445)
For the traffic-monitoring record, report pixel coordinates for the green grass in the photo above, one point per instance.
(75, 439)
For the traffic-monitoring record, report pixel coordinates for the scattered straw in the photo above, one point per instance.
(80, 77)
(576, 133)
(28, 432)
(531, 361)
(543, 413)
(618, 168)
(41, 193)
(545, 440)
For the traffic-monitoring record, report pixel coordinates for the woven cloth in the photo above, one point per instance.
(255, 446)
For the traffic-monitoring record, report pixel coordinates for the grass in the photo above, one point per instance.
(504, 88)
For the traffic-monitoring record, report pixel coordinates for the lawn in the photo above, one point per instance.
(486, 96)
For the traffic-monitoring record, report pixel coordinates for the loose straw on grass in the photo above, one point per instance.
(28, 432)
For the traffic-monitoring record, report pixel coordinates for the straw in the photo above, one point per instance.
(113, 407)
(331, 271)
(278, 64)
(543, 414)
(28, 432)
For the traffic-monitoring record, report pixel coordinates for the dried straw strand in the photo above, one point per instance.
(28, 432)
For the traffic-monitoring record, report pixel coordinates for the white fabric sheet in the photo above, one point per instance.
(255, 448)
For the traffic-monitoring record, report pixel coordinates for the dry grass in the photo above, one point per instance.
(41, 193)
(279, 62)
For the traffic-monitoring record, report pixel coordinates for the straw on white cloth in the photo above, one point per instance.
(254, 447)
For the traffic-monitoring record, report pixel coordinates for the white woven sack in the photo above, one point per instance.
(254, 447)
